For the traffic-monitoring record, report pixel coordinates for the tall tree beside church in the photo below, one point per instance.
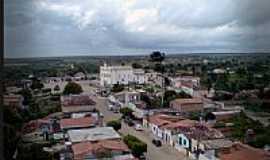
(158, 57)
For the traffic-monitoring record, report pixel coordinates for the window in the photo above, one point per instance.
(185, 142)
(180, 140)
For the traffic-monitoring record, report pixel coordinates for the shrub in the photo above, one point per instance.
(137, 146)
(72, 88)
(116, 124)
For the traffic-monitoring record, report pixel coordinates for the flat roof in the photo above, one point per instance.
(92, 134)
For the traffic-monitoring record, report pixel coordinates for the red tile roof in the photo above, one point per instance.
(162, 119)
(34, 125)
(241, 151)
(181, 123)
(80, 150)
(77, 122)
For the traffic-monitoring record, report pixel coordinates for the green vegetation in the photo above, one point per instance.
(33, 152)
(242, 124)
(36, 84)
(116, 124)
(126, 112)
(137, 146)
(136, 65)
(72, 88)
(118, 88)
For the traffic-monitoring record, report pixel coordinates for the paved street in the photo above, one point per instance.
(102, 107)
(153, 153)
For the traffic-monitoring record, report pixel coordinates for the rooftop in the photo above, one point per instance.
(92, 134)
(225, 112)
(80, 150)
(77, 122)
(217, 143)
(188, 101)
(241, 151)
(181, 123)
(163, 119)
(76, 100)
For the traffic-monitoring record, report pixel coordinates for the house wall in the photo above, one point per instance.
(193, 107)
(168, 137)
(182, 143)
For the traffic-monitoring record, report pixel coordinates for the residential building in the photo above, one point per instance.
(186, 105)
(92, 134)
(126, 97)
(153, 78)
(109, 149)
(222, 116)
(155, 123)
(110, 75)
(189, 139)
(15, 101)
(240, 151)
(77, 103)
(190, 81)
(139, 109)
(77, 123)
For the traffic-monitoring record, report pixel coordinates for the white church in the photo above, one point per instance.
(110, 75)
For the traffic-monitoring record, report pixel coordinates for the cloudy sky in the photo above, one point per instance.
(38, 28)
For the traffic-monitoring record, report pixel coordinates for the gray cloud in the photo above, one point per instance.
(56, 28)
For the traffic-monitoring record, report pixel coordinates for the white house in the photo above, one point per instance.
(110, 75)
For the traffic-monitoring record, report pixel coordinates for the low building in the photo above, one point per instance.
(240, 151)
(153, 78)
(155, 123)
(139, 109)
(77, 123)
(172, 129)
(186, 105)
(126, 97)
(15, 101)
(109, 149)
(210, 148)
(77, 103)
(190, 81)
(222, 116)
(92, 134)
(189, 139)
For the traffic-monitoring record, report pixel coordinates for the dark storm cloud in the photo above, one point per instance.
(70, 27)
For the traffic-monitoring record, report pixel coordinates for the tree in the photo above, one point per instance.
(137, 146)
(116, 124)
(127, 112)
(158, 57)
(72, 88)
(136, 65)
(36, 84)
(117, 88)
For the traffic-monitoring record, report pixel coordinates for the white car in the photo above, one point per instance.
(138, 127)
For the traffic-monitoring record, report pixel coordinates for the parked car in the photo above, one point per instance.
(138, 127)
(157, 142)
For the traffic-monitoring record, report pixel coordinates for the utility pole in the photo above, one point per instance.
(199, 136)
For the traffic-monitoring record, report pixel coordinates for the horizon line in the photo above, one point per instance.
(134, 55)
